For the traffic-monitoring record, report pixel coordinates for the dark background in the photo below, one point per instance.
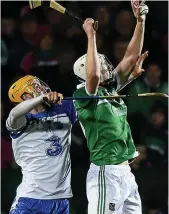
(46, 44)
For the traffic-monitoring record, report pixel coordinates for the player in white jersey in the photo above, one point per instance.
(40, 128)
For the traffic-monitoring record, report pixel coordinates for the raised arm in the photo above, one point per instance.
(17, 119)
(92, 60)
(135, 46)
(136, 71)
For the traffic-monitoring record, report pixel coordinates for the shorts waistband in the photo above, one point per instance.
(111, 167)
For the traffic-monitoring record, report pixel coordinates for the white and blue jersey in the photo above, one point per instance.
(41, 148)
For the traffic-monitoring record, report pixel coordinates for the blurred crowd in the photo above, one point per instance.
(44, 43)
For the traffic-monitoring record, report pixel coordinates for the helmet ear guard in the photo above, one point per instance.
(27, 85)
(79, 67)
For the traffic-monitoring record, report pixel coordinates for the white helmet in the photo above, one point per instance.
(79, 67)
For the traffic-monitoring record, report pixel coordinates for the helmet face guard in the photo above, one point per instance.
(28, 85)
(106, 69)
(38, 87)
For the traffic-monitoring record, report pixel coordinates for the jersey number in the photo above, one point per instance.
(55, 148)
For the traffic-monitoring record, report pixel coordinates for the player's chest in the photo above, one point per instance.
(112, 108)
(47, 136)
(57, 125)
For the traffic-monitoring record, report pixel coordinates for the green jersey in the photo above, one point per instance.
(105, 126)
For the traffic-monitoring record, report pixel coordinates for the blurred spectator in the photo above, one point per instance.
(8, 28)
(157, 207)
(30, 28)
(8, 33)
(44, 54)
(4, 53)
(151, 82)
(125, 24)
(50, 60)
(102, 15)
(43, 62)
(67, 56)
(64, 26)
(119, 48)
(53, 17)
(100, 43)
(73, 31)
(113, 6)
(28, 24)
(25, 40)
(140, 160)
(155, 135)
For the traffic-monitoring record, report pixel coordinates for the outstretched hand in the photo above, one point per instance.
(137, 71)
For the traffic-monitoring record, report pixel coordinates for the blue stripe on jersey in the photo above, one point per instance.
(70, 110)
(17, 134)
(67, 108)
(66, 174)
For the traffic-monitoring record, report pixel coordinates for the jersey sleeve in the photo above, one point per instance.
(82, 92)
(72, 113)
(17, 119)
(20, 128)
(70, 110)
(15, 125)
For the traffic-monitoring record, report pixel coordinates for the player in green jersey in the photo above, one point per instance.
(111, 187)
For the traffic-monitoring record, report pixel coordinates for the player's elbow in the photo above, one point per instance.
(94, 77)
(13, 114)
(92, 84)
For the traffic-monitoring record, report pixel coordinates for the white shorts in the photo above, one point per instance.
(112, 189)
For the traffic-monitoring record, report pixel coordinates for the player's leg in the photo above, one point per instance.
(103, 191)
(92, 190)
(132, 204)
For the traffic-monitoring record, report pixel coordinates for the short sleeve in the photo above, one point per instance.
(19, 124)
(82, 103)
(70, 110)
(21, 127)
